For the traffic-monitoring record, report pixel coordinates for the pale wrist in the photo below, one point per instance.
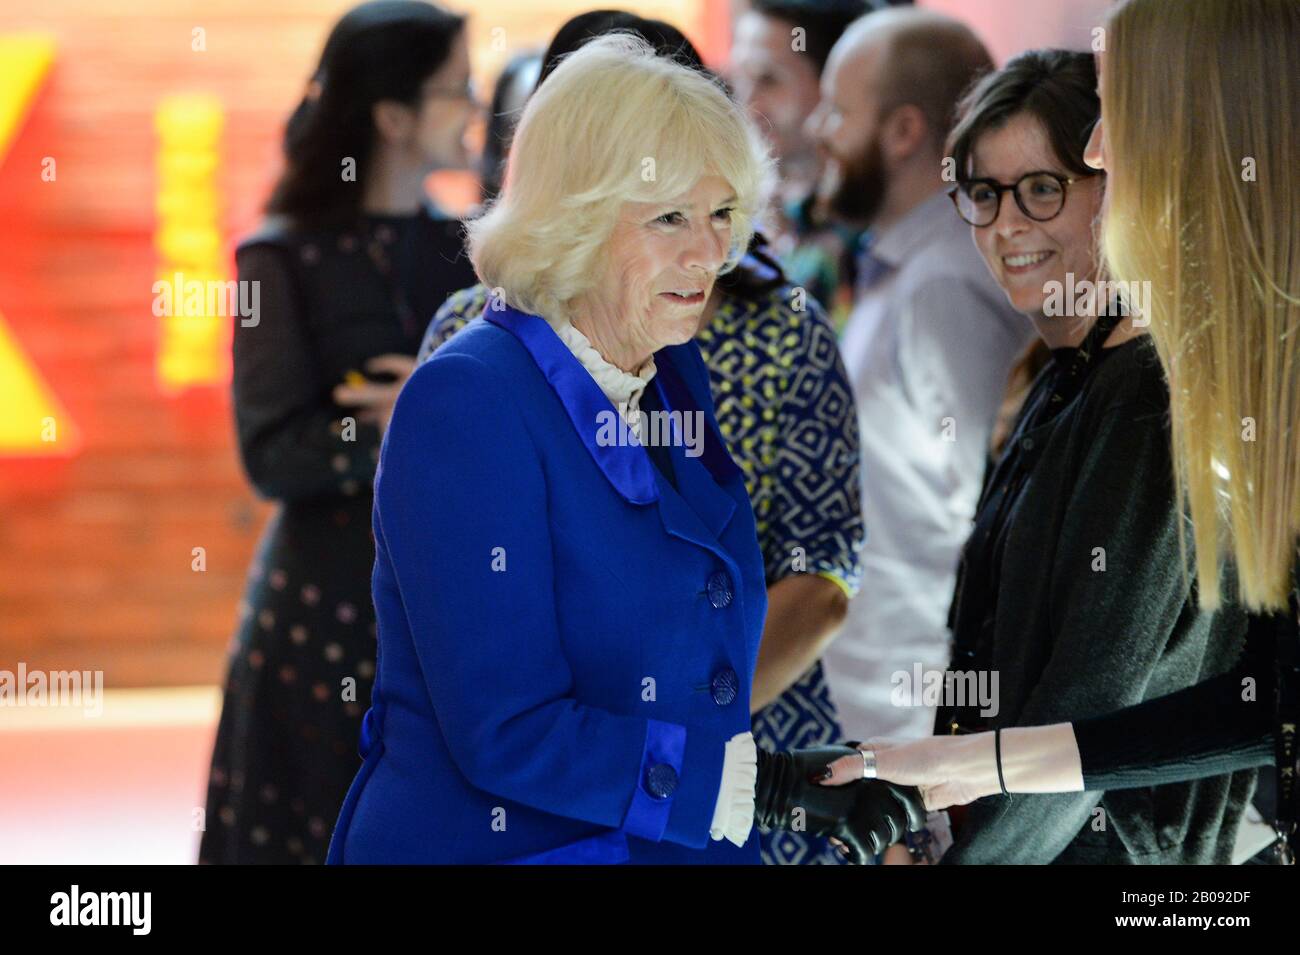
(1041, 759)
(977, 755)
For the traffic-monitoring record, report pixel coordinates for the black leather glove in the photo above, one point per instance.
(868, 815)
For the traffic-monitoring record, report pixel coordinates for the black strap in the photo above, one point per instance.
(997, 751)
(1070, 379)
(1287, 633)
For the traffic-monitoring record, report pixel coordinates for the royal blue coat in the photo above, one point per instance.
(566, 642)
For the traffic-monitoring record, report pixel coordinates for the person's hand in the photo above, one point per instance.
(949, 770)
(866, 816)
(376, 399)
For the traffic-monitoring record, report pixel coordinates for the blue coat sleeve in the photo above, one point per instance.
(459, 477)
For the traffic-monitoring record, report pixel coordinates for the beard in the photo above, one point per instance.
(857, 193)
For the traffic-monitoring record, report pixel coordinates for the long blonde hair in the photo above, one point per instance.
(1201, 103)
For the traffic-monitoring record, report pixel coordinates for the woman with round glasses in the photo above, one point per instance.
(1071, 588)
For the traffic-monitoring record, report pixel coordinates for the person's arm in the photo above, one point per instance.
(460, 483)
(1110, 627)
(803, 613)
(292, 438)
(1218, 726)
(814, 532)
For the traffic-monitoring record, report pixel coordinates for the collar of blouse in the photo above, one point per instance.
(623, 389)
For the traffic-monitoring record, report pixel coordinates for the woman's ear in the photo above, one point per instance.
(393, 121)
(1094, 154)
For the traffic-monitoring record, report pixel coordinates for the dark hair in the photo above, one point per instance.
(383, 50)
(501, 123)
(823, 21)
(666, 39)
(1056, 87)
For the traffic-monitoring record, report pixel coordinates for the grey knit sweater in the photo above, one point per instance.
(1073, 640)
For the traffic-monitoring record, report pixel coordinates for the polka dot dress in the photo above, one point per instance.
(302, 662)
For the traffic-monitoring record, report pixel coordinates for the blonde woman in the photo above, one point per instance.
(1200, 137)
(568, 582)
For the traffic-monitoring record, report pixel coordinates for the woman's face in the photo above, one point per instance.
(1022, 254)
(656, 251)
(438, 133)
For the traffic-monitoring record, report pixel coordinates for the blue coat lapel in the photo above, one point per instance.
(699, 494)
(627, 466)
(699, 510)
(676, 395)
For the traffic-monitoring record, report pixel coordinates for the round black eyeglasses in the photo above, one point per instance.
(1040, 195)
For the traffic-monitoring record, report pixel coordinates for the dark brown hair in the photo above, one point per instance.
(1056, 87)
(381, 50)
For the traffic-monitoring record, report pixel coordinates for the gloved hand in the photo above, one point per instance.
(867, 816)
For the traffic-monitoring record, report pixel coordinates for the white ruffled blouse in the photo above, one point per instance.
(624, 390)
(733, 813)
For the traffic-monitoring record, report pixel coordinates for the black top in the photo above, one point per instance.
(1240, 719)
(1213, 727)
(972, 618)
(330, 301)
(1072, 592)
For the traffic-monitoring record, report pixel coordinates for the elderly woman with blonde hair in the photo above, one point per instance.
(568, 611)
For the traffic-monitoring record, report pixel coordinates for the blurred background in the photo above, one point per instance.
(137, 139)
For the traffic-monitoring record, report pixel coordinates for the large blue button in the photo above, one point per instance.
(725, 686)
(720, 589)
(661, 780)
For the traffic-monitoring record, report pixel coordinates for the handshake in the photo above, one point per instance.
(865, 816)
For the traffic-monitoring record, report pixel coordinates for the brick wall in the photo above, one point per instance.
(95, 549)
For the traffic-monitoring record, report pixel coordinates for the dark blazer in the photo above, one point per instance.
(566, 641)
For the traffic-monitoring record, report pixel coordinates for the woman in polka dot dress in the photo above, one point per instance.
(348, 270)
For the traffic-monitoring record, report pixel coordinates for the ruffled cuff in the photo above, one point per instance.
(733, 814)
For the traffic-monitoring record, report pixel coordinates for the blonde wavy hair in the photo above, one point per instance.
(1201, 101)
(613, 123)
